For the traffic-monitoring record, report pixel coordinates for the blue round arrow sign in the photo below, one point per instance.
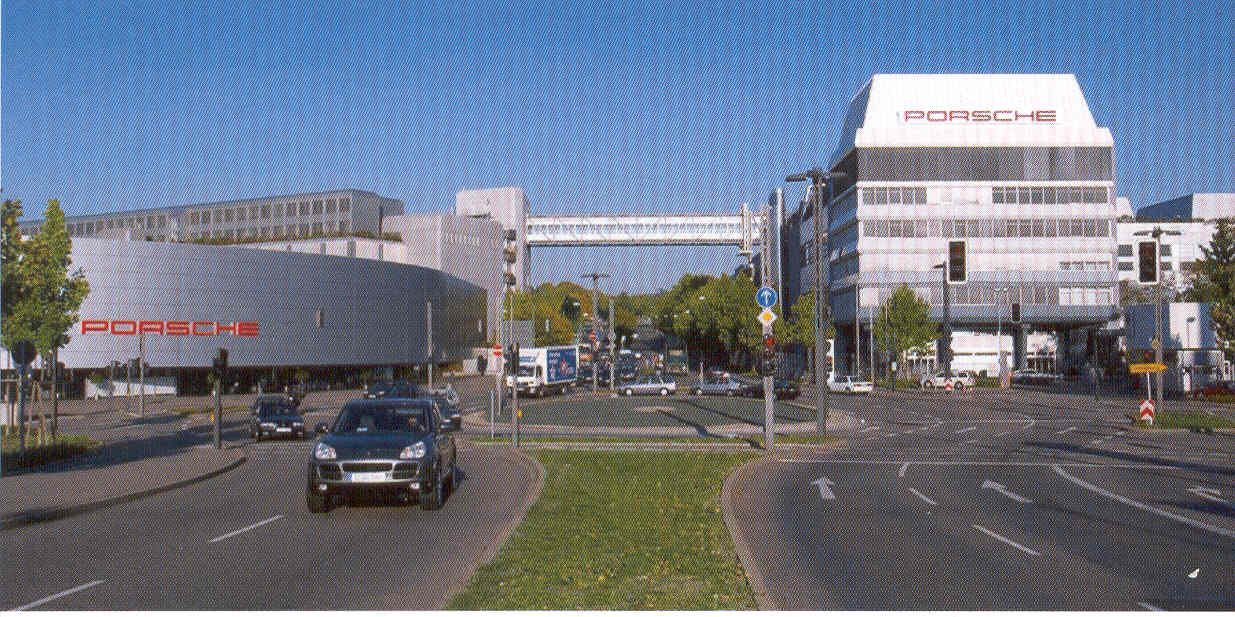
(766, 297)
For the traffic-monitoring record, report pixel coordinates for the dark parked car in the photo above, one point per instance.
(274, 416)
(785, 389)
(394, 446)
(284, 398)
(393, 389)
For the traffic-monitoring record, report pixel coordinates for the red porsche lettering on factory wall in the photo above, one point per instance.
(169, 328)
(978, 115)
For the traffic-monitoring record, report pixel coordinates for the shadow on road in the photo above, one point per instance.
(1137, 458)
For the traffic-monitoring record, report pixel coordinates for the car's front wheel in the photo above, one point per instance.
(433, 498)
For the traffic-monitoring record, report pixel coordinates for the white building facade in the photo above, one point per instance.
(1008, 173)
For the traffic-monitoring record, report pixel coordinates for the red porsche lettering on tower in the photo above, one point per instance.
(175, 327)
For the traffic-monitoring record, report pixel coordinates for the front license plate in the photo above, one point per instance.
(283, 429)
(369, 476)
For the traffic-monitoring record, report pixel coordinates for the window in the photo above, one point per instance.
(1125, 250)
(1164, 250)
(304, 229)
(1023, 195)
(997, 195)
(330, 206)
(1048, 195)
(894, 195)
(881, 196)
(1035, 195)
(1091, 228)
(317, 207)
(317, 229)
(868, 197)
(227, 215)
(344, 205)
(265, 211)
(1125, 266)
(278, 230)
(278, 210)
(240, 214)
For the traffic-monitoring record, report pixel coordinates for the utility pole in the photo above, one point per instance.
(769, 386)
(1157, 234)
(823, 315)
(612, 356)
(871, 321)
(141, 373)
(429, 340)
(596, 276)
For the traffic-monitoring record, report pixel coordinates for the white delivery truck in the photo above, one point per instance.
(544, 370)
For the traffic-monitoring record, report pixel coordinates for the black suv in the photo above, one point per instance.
(393, 389)
(273, 416)
(393, 446)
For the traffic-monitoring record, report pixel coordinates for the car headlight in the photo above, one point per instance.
(324, 452)
(297, 423)
(416, 450)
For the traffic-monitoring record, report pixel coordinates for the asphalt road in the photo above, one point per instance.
(244, 541)
(993, 500)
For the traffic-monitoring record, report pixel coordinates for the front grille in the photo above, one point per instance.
(329, 471)
(404, 471)
(360, 467)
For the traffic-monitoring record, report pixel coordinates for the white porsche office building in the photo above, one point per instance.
(1006, 177)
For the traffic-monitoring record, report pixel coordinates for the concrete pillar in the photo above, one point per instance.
(1019, 347)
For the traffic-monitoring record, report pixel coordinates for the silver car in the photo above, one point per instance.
(652, 384)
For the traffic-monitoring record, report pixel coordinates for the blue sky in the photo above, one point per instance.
(616, 106)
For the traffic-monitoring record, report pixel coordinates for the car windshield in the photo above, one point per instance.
(382, 419)
(380, 387)
(271, 409)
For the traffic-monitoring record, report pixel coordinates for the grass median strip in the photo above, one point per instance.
(628, 530)
(1193, 420)
(65, 446)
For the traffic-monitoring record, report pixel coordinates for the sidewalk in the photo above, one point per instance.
(118, 472)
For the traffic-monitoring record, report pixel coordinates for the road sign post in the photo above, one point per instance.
(1147, 409)
(23, 353)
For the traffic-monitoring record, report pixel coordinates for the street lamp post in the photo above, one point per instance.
(999, 333)
(820, 180)
(945, 337)
(595, 276)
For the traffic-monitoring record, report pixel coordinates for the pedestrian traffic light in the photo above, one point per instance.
(220, 361)
(769, 341)
(1016, 312)
(1148, 260)
(956, 261)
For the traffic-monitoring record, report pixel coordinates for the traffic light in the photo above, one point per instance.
(769, 341)
(220, 361)
(512, 359)
(956, 261)
(1147, 253)
(1016, 312)
(768, 366)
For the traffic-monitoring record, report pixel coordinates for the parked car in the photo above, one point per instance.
(652, 384)
(274, 416)
(398, 446)
(960, 381)
(1218, 388)
(785, 389)
(393, 389)
(850, 385)
(726, 385)
(276, 399)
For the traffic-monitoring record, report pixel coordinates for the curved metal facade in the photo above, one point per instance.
(311, 310)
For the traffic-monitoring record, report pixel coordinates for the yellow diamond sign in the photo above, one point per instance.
(767, 317)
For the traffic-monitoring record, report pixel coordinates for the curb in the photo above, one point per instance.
(533, 494)
(753, 575)
(22, 519)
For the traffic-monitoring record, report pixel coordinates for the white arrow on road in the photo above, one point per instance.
(999, 488)
(824, 491)
(1211, 494)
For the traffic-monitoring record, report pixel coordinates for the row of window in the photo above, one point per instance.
(1084, 265)
(89, 228)
(894, 195)
(987, 228)
(266, 211)
(1038, 293)
(1125, 250)
(1049, 195)
(1127, 266)
(276, 231)
(640, 229)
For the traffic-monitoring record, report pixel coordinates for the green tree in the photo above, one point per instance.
(1215, 282)
(904, 323)
(45, 296)
(12, 254)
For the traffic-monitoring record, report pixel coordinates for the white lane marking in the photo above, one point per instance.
(922, 497)
(1194, 573)
(1003, 490)
(870, 438)
(858, 461)
(1140, 506)
(56, 596)
(892, 434)
(1067, 430)
(1149, 607)
(249, 528)
(1006, 541)
(869, 428)
(901, 473)
(1211, 494)
(966, 430)
(824, 491)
